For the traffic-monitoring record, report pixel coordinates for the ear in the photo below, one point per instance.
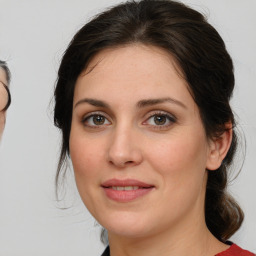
(218, 148)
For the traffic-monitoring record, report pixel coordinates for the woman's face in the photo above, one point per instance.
(3, 99)
(137, 143)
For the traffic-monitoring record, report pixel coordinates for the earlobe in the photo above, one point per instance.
(218, 148)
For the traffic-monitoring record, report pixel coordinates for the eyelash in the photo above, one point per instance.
(94, 114)
(168, 118)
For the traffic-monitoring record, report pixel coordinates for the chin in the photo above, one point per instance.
(125, 225)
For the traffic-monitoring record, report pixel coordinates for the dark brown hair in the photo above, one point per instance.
(205, 64)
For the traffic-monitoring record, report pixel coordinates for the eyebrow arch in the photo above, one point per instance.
(140, 104)
(151, 102)
(93, 102)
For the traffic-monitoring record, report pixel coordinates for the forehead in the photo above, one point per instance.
(131, 73)
(134, 64)
(128, 54)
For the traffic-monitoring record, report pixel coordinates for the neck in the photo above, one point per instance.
(192, 241)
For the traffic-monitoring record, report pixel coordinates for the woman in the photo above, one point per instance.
(142, 100)
(5, 97)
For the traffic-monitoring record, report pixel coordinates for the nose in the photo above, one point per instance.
(124, 149)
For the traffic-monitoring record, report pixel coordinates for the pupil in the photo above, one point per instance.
(98, 120)
(160, 120)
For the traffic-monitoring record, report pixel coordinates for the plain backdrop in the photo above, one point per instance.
(33, 37)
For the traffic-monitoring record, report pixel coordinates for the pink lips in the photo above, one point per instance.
(125, 190)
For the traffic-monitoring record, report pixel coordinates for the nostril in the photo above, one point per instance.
(122, 157)
(122, 164)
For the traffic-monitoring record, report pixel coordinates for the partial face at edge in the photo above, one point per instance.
(134, 119)
(3, 99)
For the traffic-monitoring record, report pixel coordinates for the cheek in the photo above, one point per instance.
(181, 160)
(85, 170)
(86, 156)
(87, 164)
(177, 153)
(180, 164)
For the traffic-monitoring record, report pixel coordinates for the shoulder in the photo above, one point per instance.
(235, 250)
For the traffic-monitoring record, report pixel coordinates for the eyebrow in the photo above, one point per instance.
(93, 102)
(140, 104)
(151, 102)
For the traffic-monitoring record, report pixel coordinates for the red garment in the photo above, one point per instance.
(235, 250)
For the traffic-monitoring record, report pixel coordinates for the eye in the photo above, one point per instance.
(160, 120)
(95, 120)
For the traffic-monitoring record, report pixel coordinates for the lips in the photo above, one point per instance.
(125, 190)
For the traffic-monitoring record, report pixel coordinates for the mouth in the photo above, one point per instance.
(126, 190)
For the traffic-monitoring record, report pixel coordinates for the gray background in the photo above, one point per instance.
(33, 36)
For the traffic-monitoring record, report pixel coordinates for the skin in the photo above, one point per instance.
(130, 145)
(3, 100)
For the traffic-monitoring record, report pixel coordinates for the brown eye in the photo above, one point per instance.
(160, 120)
(95, 120)
(98, 120)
